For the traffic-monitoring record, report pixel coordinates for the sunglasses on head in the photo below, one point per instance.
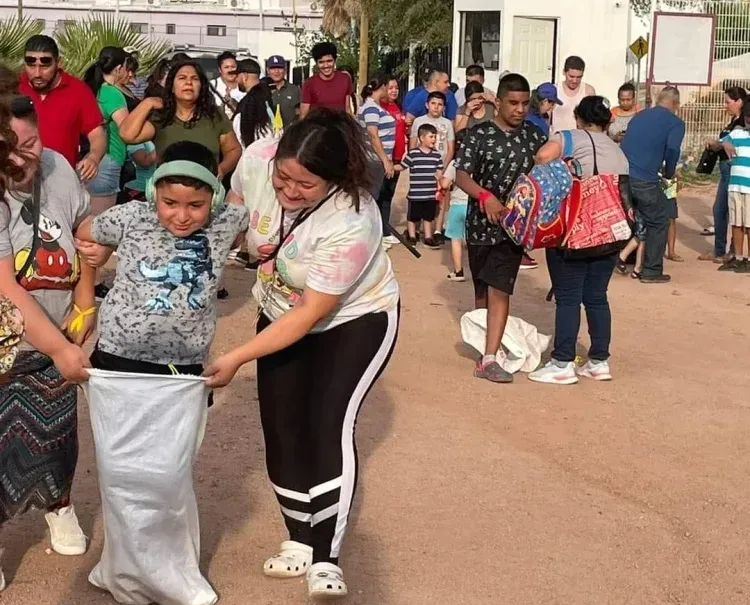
(43, 61)
(21, 106)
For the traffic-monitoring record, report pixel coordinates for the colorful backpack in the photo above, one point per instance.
(536, 206)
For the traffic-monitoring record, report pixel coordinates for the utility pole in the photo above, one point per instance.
(117, 10)
(364, 40)
(20, 10)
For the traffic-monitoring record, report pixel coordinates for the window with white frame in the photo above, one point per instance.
(480, 39)
(216, 30)
(139, 28)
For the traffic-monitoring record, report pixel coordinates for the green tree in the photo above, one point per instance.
(399, 23)
(81, 41)
(13, 35)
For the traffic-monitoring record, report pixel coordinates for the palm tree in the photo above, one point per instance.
(81, 41)
(13, 35)
(337, 18)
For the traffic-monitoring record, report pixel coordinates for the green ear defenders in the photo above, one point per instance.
(186, 168)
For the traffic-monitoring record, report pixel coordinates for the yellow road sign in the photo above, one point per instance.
(640, 48)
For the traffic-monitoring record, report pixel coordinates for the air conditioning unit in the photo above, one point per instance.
(316, 7)
(235, 3)
(153, 2)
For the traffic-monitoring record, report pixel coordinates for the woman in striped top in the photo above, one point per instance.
(381, 130)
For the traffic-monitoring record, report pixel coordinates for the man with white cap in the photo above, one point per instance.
(286, 96)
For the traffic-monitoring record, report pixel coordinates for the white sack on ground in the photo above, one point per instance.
(522, 342)
(146, 431)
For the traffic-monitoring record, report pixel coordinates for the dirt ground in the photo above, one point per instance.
(628, 493)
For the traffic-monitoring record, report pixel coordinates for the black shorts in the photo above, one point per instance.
(422, 211)
(672, 211)
(495, 266)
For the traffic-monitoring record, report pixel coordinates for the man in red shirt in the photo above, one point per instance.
(65, 106)
(328, 87)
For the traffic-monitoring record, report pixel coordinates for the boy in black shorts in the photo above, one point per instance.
(425, 170)
(494, 154)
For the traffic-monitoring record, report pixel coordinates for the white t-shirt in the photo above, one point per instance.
(221, 88)
(336, 250)
(458, 196)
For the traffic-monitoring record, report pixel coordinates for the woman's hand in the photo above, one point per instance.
(388, 167)
(473, 106)
(94, 255)
(72, 362)
(221, 372)
(714, 145)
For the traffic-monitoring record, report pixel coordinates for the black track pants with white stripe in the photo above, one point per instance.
(310, 394)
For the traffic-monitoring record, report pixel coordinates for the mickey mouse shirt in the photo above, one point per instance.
(55, 269)
(335, 250)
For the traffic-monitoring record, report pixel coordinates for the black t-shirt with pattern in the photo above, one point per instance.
(495, 158)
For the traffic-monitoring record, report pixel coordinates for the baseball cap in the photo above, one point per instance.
(275, 61)
(548, 91)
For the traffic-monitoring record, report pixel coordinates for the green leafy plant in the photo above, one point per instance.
(13, 35)
(81, 41)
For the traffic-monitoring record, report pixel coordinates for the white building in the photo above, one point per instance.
(534, 37)
(262, 27)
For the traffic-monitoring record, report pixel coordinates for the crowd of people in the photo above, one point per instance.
(297, 184)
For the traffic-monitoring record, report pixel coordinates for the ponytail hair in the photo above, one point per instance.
(376, 81)
(331, 145)
(110, 58)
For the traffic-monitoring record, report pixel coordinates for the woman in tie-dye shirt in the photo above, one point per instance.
(328, 318)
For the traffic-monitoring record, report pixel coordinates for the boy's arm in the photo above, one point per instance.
(449, 154)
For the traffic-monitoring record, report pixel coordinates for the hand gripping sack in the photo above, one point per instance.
(534, 215)
(146, 432)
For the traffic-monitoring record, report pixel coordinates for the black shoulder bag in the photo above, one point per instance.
(36, 241)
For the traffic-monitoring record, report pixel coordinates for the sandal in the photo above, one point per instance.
(635, 274)
(326, 580)
(708, 231)
(293, 561)
(622, 267)
(675, 258)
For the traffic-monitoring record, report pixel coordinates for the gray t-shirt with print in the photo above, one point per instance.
(55, 269)
(162, 307)
(445, 132)
(578, 144)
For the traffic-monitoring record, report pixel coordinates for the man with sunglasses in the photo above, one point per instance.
(66, 108)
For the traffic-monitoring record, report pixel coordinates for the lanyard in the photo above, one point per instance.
(301, 218)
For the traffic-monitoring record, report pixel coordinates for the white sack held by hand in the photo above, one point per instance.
(146, 431)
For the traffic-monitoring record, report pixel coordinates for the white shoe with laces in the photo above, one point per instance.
(66, 534)
(325, 581)
(596, 370)
(391, 240)
(555, 373)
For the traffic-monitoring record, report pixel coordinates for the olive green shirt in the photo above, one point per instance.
(205, 131)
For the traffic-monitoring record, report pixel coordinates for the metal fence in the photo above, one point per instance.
(703, 106)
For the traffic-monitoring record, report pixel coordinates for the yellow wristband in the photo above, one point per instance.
(76, 325)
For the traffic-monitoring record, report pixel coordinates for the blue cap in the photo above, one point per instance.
(548, 92)
(275, 61)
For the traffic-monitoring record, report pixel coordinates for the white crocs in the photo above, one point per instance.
(293, 561)
(326, 581)
(66, 534)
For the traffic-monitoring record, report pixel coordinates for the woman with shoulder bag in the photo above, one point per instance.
(582, 280)
(734, 99)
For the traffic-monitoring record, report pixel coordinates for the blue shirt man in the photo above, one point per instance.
(415, 102)
(652, 144)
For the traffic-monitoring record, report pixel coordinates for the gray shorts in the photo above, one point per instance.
(672, 212)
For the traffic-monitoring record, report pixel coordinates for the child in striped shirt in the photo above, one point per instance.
(737, 146)
(425, 166)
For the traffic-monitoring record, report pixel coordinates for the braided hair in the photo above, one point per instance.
(205, 106)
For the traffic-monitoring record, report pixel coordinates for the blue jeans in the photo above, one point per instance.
(721, 210)
(651, 203)
(575, 282)
(384, 199)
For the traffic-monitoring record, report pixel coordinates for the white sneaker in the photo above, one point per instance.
(385, 245)
(597, 370)
(2, 581)
(391, 239)
(554, 374)
(294, 560)
(66, 534)
(325, 581)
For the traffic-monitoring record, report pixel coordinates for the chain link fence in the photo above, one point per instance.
(703, 106)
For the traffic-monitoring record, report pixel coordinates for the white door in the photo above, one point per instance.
(533, 49)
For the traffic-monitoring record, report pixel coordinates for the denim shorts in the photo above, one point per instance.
(107, 182)
(455, 224)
